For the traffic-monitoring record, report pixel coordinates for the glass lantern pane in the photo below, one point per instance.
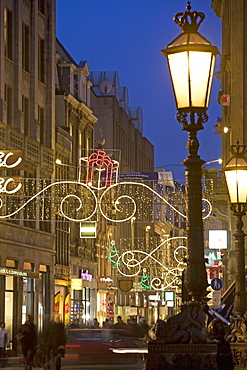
(210, 79)
(236, 182)
(200, 69)
(178, 64)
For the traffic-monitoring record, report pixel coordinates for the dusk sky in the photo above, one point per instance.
(127, 36)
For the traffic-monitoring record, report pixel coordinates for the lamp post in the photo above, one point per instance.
(191, 60)
(236, 178)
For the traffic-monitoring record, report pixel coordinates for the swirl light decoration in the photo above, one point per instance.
(78, 201)
(131, 263)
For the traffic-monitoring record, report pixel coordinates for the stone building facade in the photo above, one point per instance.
(27, 124)
(233, 127)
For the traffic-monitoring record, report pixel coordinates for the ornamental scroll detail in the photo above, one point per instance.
(117, 202)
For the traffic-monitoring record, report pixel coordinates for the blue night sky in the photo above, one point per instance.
(127, 36)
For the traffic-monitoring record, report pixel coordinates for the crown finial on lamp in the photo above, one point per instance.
(189, 21)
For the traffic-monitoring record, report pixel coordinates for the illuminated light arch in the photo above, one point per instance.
(98, 203)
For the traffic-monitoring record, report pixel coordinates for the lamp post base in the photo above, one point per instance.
(189, 356)
(185, 342)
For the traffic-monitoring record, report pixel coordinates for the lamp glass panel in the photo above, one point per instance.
(210, 78)
(200, 69)
(178, 63)
(236, 182)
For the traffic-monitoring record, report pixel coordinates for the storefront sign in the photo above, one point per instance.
(106, 279)
(10, 185)
(7, 271)
(154, 297)
(88, 229)
(12, 272)
(11, 159)
(217, 239)
(85, 275)
(76, 284)
(226, 99)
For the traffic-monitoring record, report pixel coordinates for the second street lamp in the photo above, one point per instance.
(191, 60)
(236, 178)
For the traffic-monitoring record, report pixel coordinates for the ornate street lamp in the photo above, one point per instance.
(191, 60)
(236, 178)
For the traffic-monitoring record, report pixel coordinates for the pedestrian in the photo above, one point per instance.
(54, 341)
(4, 342)
(27, 334)
(107, 324)
(95, 324)
(143, 329)
(120, 324)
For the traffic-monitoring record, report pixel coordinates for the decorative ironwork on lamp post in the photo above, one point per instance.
(191, 60)
(236, 178)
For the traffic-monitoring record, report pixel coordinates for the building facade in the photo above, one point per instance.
(120, 128)
(76, 263)
(232, 97)
(27, 120)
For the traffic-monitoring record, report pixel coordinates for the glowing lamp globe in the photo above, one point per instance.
(236, 175)
(191, 60)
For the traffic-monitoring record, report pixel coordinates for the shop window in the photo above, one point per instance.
(80, 305)
(9, 303)
(27, 292)
(44, 298)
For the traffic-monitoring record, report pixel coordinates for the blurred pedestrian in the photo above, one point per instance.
(107, 324)
(134, 328)
(120, 324)
(95, 324)
(27, 335)
(4, 342)
(55, 340)
(143, 328)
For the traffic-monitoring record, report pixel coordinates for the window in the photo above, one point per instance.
(29, 213)
(45, 207)
(8, 33)
(76, 88)
(8, 100)
(25, 110)
(41, 6)
(41, 60)
(41, 119)
(25, 47)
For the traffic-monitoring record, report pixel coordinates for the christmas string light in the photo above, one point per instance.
(123, 203)
(132, 261)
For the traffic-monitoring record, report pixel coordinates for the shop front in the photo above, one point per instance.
(105, 299)
(83, 298)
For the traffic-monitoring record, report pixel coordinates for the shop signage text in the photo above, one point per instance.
(85, 275)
